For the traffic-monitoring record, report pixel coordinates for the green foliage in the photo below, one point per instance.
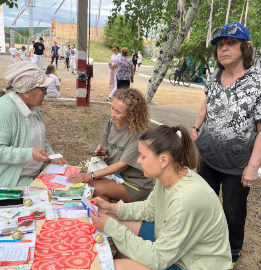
(99, 52)
(121, 31)
(9, 3)
(150, 14)
(196, 46)
(155, 15)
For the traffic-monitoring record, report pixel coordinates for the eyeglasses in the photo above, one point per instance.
(229, 30)
(44, 89)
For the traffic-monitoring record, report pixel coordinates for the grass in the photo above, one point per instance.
(101, 53)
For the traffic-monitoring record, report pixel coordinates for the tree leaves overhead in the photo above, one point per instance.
(9, 3)
(122, 33)
(149, 14)
(196, 45)
(155, 16)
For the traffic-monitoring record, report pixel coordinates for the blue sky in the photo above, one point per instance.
(67, 12)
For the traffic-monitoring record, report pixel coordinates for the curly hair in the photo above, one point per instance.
(247, 54)
(138, 113)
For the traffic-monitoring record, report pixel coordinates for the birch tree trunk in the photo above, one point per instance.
(169, 48)
(228, 10)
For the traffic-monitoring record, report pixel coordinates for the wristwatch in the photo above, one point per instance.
(92, 175)
(197, 129)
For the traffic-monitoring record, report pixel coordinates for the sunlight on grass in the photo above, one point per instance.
(101, 53)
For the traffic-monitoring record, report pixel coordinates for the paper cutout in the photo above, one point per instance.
(63, 244)
(62, 180)
(46, 178)
(13, 262)
(56, 169)
(54, 156)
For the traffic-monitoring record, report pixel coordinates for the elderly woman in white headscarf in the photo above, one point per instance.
(23, 147)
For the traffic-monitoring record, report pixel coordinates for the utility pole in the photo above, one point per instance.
(31, 5)
(81, 91)
(2, 30)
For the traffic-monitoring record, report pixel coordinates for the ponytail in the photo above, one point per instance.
(176, 141)
(189, 153)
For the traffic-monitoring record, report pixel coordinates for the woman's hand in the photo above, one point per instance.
(59, 161)
(100, 150)
(39, 155)
(249, 176)
(100, 221)
(106, 207)
(79, 178)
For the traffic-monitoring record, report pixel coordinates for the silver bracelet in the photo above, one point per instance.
(92, 175)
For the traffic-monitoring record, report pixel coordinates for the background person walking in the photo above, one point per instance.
(31, 51)
(139, 60)
(55, 54)
(12, 52)
(134, 58)
(125, 71)
(73, 59)
(67, 56)
(113, 81)
(39, 50)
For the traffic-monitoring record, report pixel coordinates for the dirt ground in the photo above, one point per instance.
(74, 131)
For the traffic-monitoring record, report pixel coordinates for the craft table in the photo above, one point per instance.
(41, 199)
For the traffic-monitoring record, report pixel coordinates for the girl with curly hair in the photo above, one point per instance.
(119, 143)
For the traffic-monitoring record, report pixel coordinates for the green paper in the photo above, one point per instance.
(10, 194)
(72, 192)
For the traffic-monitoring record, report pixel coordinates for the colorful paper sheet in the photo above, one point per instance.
(43, 180)
(63, 244)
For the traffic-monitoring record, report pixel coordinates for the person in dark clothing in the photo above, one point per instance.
(55, 54)
(39, 50)
(67, 56)
(134, 59)
(181, 69)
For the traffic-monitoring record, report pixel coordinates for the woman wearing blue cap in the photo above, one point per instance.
(230, 141)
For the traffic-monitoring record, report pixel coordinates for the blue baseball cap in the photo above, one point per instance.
(233, 30)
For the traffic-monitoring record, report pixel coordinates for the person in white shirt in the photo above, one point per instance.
(73, 59)
(139, 59)
(53, 89)
(113, 70)
(12, 52)
(31, 51)
(22, 54)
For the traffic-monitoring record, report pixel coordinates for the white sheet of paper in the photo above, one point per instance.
(54, 156)
(13, 252)
(9, 212)
(55, 169)
(59, 179)
(76, 213)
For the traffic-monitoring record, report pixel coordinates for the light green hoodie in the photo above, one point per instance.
(190, 227)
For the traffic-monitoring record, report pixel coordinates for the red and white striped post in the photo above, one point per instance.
(81, 91)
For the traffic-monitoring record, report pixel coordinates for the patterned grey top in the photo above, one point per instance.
(230, 130)
(124, 66)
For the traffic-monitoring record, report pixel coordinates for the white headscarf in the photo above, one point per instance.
(25, 76)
